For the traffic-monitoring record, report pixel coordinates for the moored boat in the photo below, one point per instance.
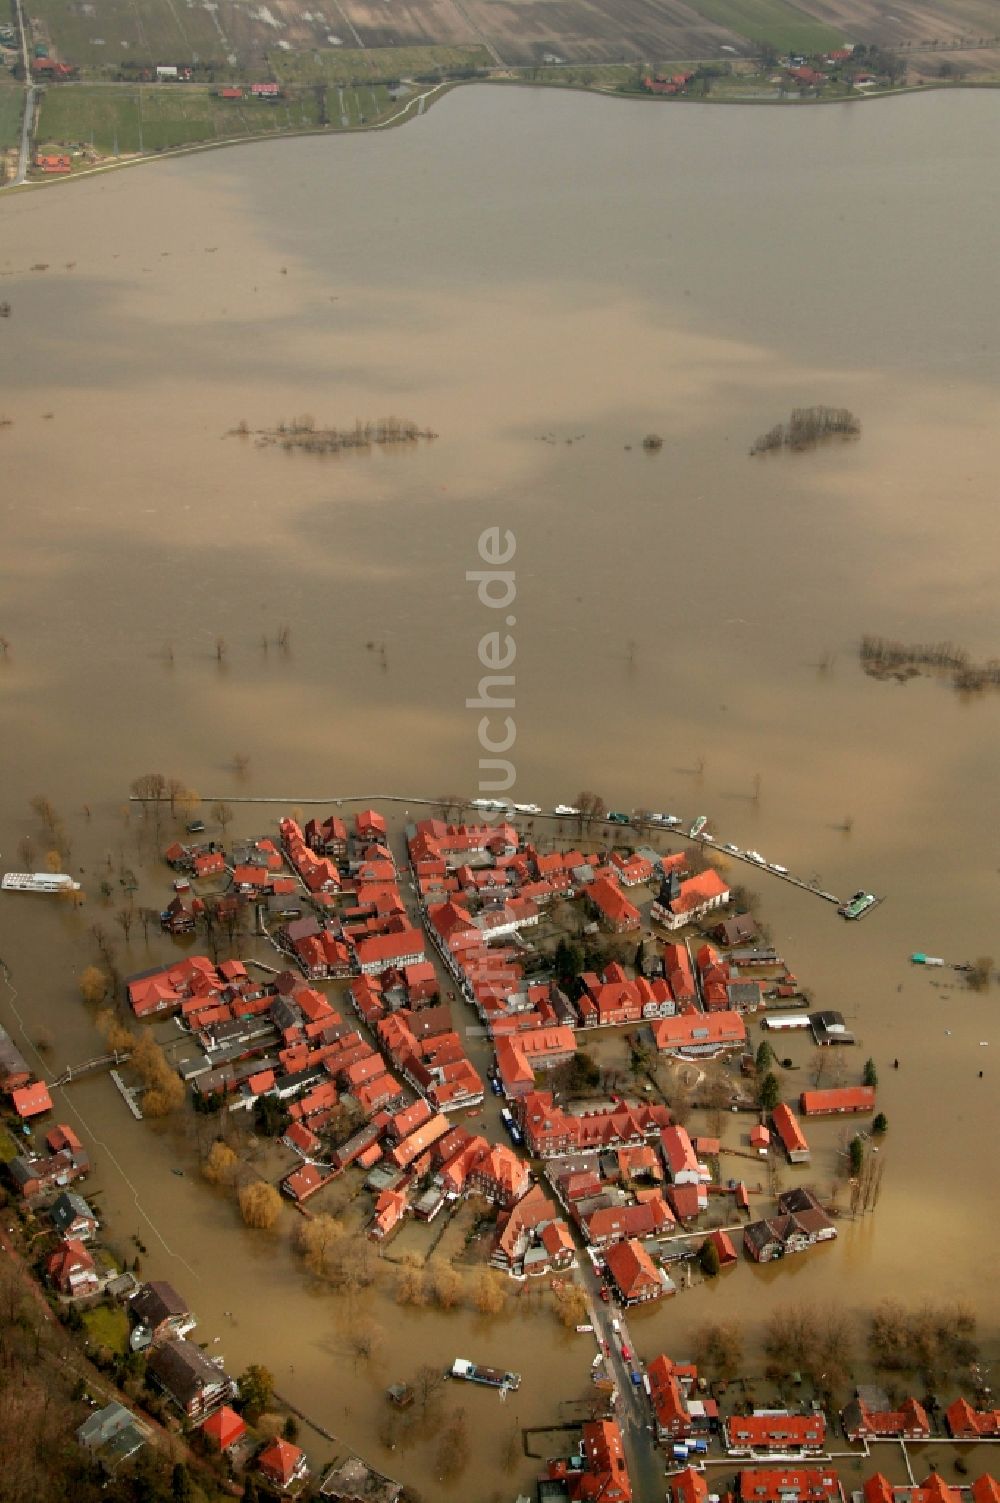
(39, 882)
(859, 905)
(492, 1377)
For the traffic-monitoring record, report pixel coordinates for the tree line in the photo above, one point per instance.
(807, 427)
(885, 656)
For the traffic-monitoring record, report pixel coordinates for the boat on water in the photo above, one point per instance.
(698, 826)
(39, 882)
(492, 1377)
(856, 907)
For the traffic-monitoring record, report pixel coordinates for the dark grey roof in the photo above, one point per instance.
(67, 1208)
(742, 992)
(21, 1169)
(12, 1061)
(285, 1014)
(113, 1428)
(156, 1302)
(183, 1370)
(760, 1234)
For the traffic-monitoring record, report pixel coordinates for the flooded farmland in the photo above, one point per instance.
(540, 280)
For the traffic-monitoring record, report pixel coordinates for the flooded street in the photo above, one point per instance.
(542, 280)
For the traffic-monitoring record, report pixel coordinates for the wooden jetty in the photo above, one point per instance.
(128, 1096)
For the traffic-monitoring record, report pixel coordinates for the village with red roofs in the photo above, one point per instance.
(570, 1032)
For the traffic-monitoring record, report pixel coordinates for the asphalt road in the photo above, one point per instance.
(645, 1460)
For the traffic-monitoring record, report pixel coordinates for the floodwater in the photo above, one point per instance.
(541, 280)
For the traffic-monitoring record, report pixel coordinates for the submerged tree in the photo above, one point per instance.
(260, 1204)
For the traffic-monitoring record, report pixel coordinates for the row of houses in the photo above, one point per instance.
(803, 1484)
(679, 1413)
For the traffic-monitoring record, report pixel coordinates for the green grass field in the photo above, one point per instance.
(776, 21)
(341, 65)
(108, 116)
(11, 105)
(174, 115)
(586, 75)
(107, 1326)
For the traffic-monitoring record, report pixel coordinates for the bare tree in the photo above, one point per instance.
(364, 1336)
(427, 1384)
(592, 808)
(150, 787)
(105, 948)
(189, 802)
(26, 852)
(174, 789)
(719, 1345)
(818, 1064)
(220, 649)
(223, 815)
(123, 918)
(241, 764)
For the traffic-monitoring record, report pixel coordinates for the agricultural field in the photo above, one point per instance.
(11, 106)
(343, 65)
(105, 33)
(101, 35)
(573, 31)
(338, 41)
(406, 23)
(108, 118)
(914, 23)
(777, 23)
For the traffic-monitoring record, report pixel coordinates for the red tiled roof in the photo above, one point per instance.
(279, 1460)
(224, 1427)
(766, 1485)
(32, 1099)
(786, 1125)
(839, 1099)
(631, 1267)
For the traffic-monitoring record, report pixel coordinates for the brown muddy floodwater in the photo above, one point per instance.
(542, 280)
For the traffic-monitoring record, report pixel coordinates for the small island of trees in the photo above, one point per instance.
(303, 433)
(883, 657)
(807, 427)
